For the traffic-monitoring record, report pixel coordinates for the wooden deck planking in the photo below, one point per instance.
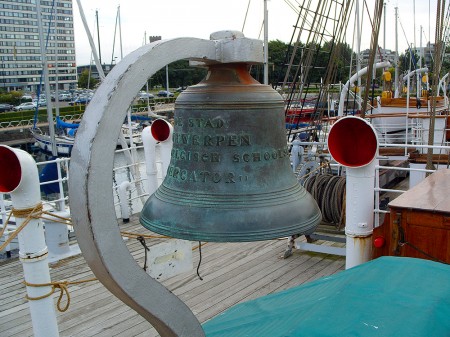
(231, 272)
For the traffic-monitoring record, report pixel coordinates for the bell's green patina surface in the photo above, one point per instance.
(230, 178)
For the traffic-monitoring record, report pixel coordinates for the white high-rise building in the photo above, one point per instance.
(20, 54)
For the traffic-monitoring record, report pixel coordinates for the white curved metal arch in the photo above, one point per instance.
(92, 203)
(90, 184)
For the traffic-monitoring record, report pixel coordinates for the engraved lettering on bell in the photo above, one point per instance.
(211, 139)
(214, 123)
(260, 156)
(180, 154)
(184, 175)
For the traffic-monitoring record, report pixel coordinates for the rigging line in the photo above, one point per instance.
(313, 35)
(407, 42)
(141, 239)
(437, 67)
(372, 25)
(373, 46)
(428, 42)
(246, 13)
(115, 33)
(200, 260)
(446, 35)
(289, 3)
(260, 31)
(299, 29)
(314, 18)
(321, 25)
(353, 45)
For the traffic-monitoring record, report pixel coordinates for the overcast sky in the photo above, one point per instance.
(199, 18)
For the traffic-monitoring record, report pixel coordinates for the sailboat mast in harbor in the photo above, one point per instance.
(51, 126)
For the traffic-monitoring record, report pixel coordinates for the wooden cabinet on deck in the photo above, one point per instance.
(419, 221)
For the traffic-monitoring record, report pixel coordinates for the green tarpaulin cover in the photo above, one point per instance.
(389, 296)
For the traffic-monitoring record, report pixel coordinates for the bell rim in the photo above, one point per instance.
(229, 201)
(301, 228)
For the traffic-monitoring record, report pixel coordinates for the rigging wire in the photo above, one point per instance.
(412, 56)
(323, 23)
(291, 6)
(246, 13)
(200, 260)
(373, 47)
(439, 44)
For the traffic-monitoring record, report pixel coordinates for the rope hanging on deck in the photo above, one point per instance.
(141, 239)
(63, 290)
(145, 236)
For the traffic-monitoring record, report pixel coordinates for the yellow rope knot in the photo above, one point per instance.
(28, 214)
(63, 290)
(34, 212)
(62, 286)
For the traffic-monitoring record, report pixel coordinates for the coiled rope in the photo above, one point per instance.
(329, 192)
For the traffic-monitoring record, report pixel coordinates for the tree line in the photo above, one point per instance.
(181, 74)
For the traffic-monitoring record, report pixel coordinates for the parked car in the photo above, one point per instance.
(27, 97)
(64, 97)
(6, 107)
(25, 106)
(144, 96)
(42, 102)
(165, 93)
(80, 100)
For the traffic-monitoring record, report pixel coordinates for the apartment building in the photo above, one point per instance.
(381, 55)
(21, 63)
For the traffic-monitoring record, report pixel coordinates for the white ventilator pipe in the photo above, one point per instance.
(19, 177)
(296, 154)
(353, 143)
(122, 190)
(150, 159)
(352, 80)
(57, 236)
(442, 85)
(414, 72)
(162, 131)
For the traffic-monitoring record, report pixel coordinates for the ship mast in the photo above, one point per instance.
(51, 126)
(396, 94)
(266, 46)
(91, 42)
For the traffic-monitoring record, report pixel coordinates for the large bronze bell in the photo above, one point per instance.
(229, 177)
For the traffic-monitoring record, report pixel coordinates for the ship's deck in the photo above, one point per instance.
(231, 272)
